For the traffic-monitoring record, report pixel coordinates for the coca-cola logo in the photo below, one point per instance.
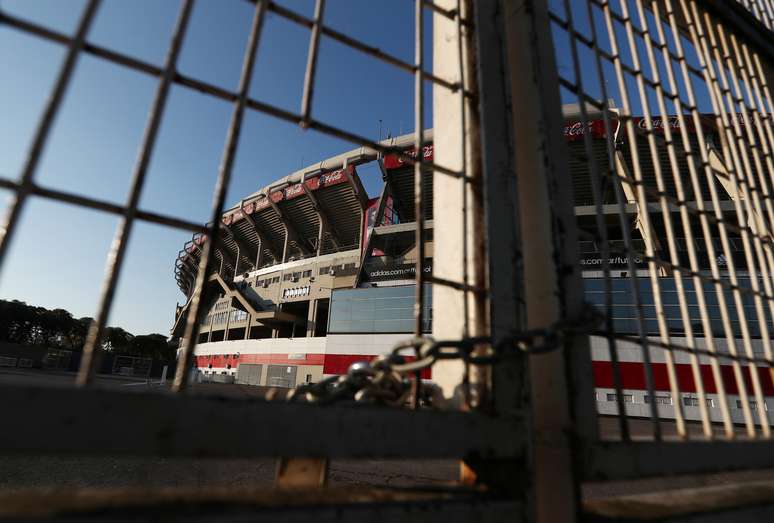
(332, 177)
(673, 122)
(577, 128)
(261, 204)
(294, 190)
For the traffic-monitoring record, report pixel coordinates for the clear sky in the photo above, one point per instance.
(58, 256)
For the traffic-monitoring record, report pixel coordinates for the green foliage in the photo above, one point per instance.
(29, 325)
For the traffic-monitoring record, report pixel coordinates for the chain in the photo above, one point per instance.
(387, 379)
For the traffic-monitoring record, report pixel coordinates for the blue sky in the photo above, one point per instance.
(57, 258)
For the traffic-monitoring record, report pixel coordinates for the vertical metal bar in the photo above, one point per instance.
(506, 309)
(746, 216)
(731, 153)
(19, 198)
(311, 63)
(621, 201)
(552, 282)
(221, 186)
(669, 228)
(115, 258)
(693, 166)
(419, 211)
(642, 201)
(595, 175)
(684, 214)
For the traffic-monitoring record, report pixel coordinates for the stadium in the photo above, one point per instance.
(312, 274)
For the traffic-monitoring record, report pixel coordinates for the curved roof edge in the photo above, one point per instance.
(356, 156)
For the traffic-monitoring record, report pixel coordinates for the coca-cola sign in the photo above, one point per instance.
(393, 161)
(574, 129)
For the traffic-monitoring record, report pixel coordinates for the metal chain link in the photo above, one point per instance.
(387, 379)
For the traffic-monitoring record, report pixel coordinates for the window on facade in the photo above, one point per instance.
(627, 398)
(307, 274)
(660, 400)
(692, 401)
(753, 405)
(376, 310)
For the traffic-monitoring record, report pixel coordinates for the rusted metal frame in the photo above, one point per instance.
(42, 131)
(756, 149)
(735, 145)
(694, 164)
(337, 504)
(170, 423)
(651, 251)
(620, 461)
(580, 37)
(224, 94)
(623, 223)
(666, 216)
(117, 251)
(221, 187)
(100, 205)
(583, 410)
(360, 46)
(311, 63)
(419, 132)
(685, 215)
(291, 232)
(745, 23)
(266, 243)
(322, 215)
(553, 289)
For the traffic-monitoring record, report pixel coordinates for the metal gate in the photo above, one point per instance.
(673, 148)
(249, 374)
(281, 376)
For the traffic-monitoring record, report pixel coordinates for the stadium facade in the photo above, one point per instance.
(311, 274)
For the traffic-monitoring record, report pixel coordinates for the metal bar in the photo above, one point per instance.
(54, 102)
(169, 423)
(620, 461)
(223, 94)
(670, 235)
(586, 410)
(419, 133)
(311, 64)
(117, 252)
(704, 57)
(224, 176)
(552, 284)
(644, 214)
(102, 205)
(360, 46)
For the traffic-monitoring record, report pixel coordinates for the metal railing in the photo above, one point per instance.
(653, 62)
(188, 425)
(508, 293)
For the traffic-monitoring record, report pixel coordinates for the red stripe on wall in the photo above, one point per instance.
(339, 363)
(224, 360)
(633, 377)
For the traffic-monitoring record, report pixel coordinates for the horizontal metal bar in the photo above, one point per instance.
(102, 205)
(362, 47)
(224, 94)
(161, 424)
(230, 503)
(609, 461)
